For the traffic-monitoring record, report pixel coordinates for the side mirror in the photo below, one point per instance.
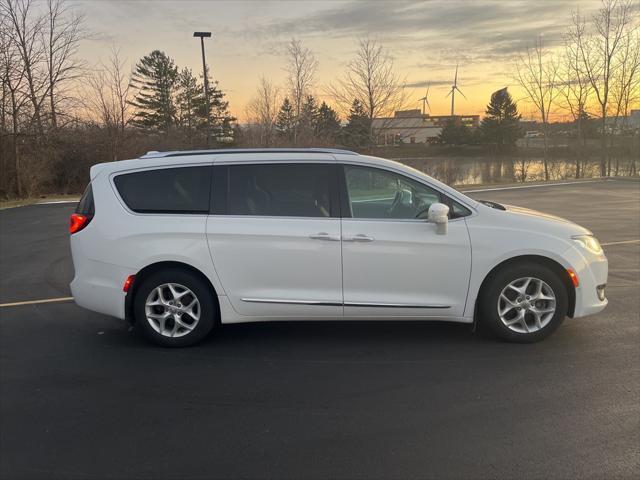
(439, 214)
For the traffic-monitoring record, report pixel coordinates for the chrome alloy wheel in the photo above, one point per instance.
(172, 310)
(526, 305)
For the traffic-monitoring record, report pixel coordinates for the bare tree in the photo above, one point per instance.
(301, 70)
(61, 36)
(108, 98)
(25, 33)
(522, 165)
(598, 50)
(5, 42)
(13, 76)
(625, 87)
(575, 89)
(262, 112)
(111, 88)
(536, 71)
(371, 78)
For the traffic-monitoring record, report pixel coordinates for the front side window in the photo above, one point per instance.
(167, 190)
(281, 190)
(375, 193)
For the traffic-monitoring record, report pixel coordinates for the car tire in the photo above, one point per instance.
(523, 303)
(174, 308)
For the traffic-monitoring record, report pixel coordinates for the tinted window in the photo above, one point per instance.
(375, 193)
(85, 205)
(168, 190)
(285, 190)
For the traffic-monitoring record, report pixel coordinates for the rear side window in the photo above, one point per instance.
(282, 190)
(167, 190)
(85, 205)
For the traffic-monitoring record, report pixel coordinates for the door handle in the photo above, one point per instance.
(325, 236)
(359, 238)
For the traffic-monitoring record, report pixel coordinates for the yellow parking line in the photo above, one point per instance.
(34, 302)
(621, 243)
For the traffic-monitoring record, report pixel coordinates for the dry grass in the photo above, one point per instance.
(4, 204)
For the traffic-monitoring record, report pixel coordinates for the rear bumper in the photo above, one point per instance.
(97, 286)
(98, 297)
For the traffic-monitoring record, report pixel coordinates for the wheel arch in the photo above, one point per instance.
(158, 266)
(550, 263)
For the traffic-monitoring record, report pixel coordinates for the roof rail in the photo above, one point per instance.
(184, 153)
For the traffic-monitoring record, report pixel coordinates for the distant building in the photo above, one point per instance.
(411, 126)
(406, 126)
(623, 124)
(469, 121)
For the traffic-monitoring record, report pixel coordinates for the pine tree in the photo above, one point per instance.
(328, 122)
(356, 132)
(189, 100)
(221, 119)
(285, 122)
(155, 78)
(501, 125)
(308, 117)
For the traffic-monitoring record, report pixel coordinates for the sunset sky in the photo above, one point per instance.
(426, 39)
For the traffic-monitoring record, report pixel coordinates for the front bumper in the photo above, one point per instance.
(592, 270)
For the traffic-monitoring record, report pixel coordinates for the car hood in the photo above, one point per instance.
(529, 216)
(527, 212)
(532, 220)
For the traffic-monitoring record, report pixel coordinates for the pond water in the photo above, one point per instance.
(482, 170)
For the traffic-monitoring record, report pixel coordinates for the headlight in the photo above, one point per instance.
(589, 242)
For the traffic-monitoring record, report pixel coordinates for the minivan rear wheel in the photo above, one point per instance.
(523, 303)
(174, 308)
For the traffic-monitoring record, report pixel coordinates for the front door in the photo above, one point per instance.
(275, 239)
(395, 264)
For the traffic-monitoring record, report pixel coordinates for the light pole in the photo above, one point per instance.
(202, 36)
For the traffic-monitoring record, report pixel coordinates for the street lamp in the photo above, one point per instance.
(202, 36)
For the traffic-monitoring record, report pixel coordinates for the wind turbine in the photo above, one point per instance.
(452, 92)
(425, 100)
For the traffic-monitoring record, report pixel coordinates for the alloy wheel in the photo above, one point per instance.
(526, 305)
(172, 310)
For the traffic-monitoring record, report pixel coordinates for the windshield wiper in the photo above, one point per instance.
(491, 204)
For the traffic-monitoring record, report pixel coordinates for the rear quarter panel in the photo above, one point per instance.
(118, 243)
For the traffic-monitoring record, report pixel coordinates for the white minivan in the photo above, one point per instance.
(178, 242)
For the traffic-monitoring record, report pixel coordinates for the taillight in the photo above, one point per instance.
(78, 221)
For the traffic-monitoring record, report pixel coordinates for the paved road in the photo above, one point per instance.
(81, 397)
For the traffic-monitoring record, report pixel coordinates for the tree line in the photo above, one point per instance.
(596, 73)
(289, 115)
(59, 115)
(594, 77)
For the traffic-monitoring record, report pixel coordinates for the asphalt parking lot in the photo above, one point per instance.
(81, 397)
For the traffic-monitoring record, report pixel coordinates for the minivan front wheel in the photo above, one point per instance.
(524, 303)
(174, 308)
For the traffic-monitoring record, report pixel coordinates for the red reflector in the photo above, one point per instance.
(573, 277)
(128, 282)
(77, 222)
